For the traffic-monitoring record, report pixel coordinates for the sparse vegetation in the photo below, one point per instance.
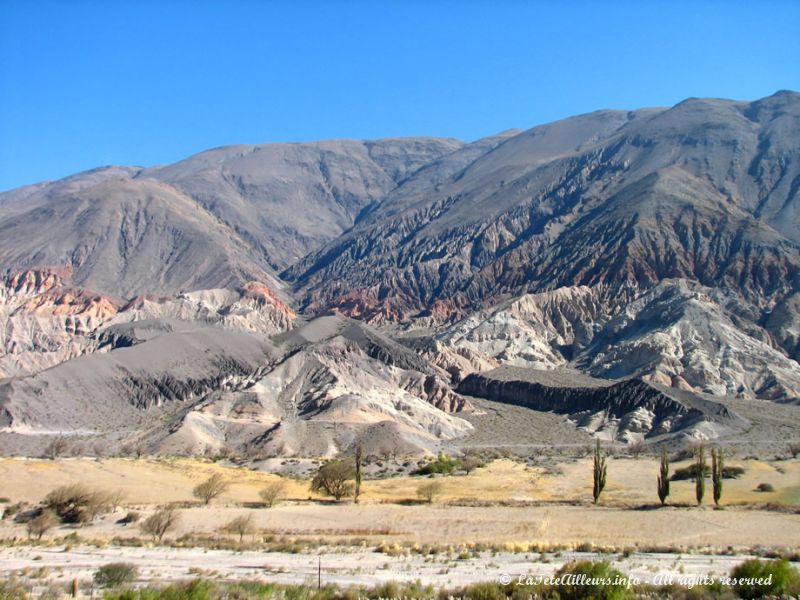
(160, 523)
(334, 479)
(663, 477)
(636, 448)
(777, 578)
(591, 572)
(429, 490)
(114, 575)
(273, 492)
(765, 487)
(41, 523)
(241, 526)
(131, 517)
(470, 463)
(599, 472)
(76, 503)
(211, 488)
(690, 472)
(443, 465)
(58, 446)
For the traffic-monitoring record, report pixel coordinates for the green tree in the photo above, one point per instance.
(334, 479)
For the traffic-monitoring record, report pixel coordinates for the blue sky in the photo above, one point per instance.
(84, 84)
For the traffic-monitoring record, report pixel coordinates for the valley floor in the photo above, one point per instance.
(509, 518)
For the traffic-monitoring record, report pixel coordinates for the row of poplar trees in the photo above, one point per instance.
(600, 472)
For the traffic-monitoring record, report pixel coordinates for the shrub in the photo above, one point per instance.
(57, 447)
(273, 493)
(160, 522)
(132, 517)
(210, 488)
(429, 490)
(470, 463)
(75, 503)
(765, 487)
(42, 523)
(690, 472)
(777, 578)
(602, 582)
(443, 465)
(114, 575)
(240, 526)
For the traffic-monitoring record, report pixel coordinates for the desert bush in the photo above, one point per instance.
(443, 465)
(470, 463)
(778, 578)
(132, 517)
(210, 488)
(240, 526)
(765, 487)
(12, 589)
(114, 575)
(76, 503)
(636, 448)
(272, 493)
(41, 524)
(604, 582)
(690, 472)
(334, 479)
(58, 446)
(160, 523)
(429, 491)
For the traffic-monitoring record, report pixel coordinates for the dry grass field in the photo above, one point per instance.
(505, 502)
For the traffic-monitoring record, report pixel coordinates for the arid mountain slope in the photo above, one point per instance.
(217, 219)
(706, 190)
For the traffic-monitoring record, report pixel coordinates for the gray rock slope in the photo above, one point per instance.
(180, 386)
(214, 220)
(627, 411)
(706, 190)
(657, 246)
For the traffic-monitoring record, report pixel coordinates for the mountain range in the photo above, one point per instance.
(287, 298)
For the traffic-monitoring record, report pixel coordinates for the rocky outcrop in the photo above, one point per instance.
(625, 411)
(677, 333)
(44, 321)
